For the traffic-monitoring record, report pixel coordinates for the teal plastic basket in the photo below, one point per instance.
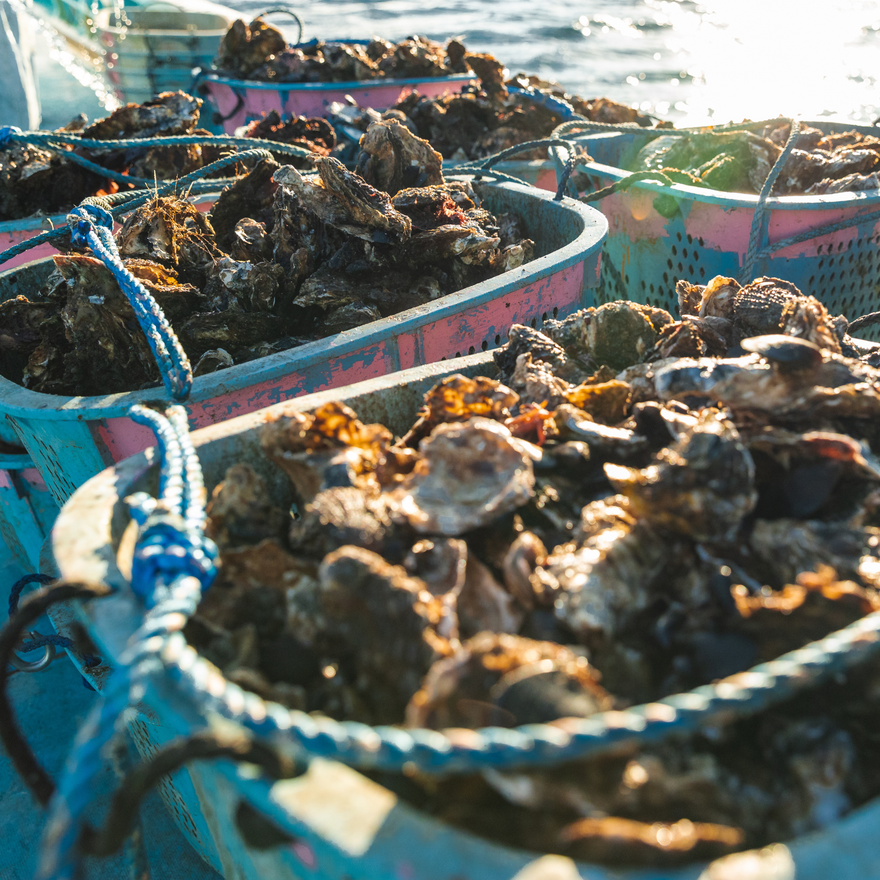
(343, 825)
(645, 253)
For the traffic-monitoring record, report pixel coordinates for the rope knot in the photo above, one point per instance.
(82, 219)
(167, 547)
(7, 133)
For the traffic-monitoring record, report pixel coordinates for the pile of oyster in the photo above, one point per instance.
(282, 259)
(628, 506)
(38, 181)
(740, 161)
(478, 122)
(258, 51)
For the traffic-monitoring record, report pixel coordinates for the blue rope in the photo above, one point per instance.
(394, 749)
(761, 217)
(57, 141)
(16, 589)
(179, 565)
(57, 641)
(581, 124)
(93, 226)
(171, 474)
(478, 167)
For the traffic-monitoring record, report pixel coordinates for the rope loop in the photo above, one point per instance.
(81, 220)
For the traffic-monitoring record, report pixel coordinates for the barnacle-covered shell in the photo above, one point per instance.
(703, 486)
(506, 680)
(620, 333)
(327, 444)
(346, 201)
(240, 510)
(470, 473)
(363, 599)
(609, 577)
(392, 158)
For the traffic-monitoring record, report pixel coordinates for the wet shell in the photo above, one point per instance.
(470, 474)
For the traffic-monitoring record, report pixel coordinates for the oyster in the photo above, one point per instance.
(503, 681)
(361, 599)
(392, 158)
(346, 202)
(469, 473)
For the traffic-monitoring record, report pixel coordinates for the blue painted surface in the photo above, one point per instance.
(50, 705)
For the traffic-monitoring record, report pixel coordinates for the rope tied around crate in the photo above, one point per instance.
(92, 226)
(169, 524)
(478, 167)
(761, 218)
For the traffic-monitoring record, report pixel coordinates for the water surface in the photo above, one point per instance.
(717, 60)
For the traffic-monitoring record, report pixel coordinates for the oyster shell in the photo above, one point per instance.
(468, 474)
(503, 681)
(392, 158)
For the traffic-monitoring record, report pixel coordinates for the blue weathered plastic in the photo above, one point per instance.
(27, 510)
(72, 438)
(341, 823)
(646, 253)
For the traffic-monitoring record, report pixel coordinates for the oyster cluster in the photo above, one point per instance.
(38, 181)
(480, 121)
(819, 163)
(281, 260)
(629, 507)
(258, 51)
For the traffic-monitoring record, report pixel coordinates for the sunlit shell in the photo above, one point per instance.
(470, 474)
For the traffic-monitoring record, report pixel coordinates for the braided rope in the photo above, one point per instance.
(398, 750)
(57, 141)
(582, 124)
(181, 566)
(93, 226)
(16, 589)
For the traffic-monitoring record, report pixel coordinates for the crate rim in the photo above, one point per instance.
(207, 76)
(18, 401)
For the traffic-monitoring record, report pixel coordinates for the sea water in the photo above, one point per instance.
(694, 63)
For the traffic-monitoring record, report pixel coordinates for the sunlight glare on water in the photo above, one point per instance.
(713, 61)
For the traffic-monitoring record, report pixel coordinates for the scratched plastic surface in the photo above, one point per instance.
(71, 439)
(646, 253)
(342, 824)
